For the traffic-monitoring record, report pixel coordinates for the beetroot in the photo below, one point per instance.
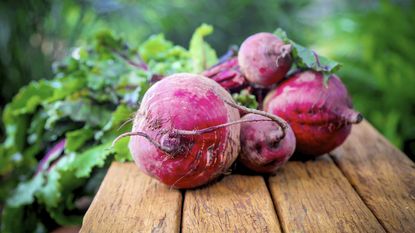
(262, 148)
(264, 58)
(168, 142)
(320, 115)
(228, 75)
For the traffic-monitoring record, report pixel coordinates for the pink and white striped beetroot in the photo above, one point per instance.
(264, 59)
(263, 149)
(176, 135)
(320, 116)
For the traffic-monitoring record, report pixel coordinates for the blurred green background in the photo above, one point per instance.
(373, 39)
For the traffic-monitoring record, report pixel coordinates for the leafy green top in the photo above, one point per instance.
(59, 131)
(305, 58)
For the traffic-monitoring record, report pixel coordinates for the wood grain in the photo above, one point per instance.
(235, 204)
(129, 201)
(382, 175)
(314, 196)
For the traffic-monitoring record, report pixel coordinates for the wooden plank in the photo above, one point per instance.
(130, 201)
(314, 196)
(382, 175)
(235, 204)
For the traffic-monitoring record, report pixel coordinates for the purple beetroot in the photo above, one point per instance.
(264, 59)
(168, 142)
(262, 147)
(227, 74)
(320, 115)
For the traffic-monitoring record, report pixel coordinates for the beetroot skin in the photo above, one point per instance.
(170, 113)
(264, 59)
(320, 116)
(228, 75)
(262, 149)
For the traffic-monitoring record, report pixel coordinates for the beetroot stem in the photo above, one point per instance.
(213, 128)
(182, 132)
(273, 117)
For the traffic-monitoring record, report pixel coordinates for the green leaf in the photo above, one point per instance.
(59, 129)
(203, 56)
(77, 138)
(24, 194)
(154, 47)
(65, 86)
(329, 65)
(107, 39)
(305, 58)
(12, 152)
(62, 218)
(122, 114)
(163, 57)
(246, 99)
(100, 77)
(121, 117)
(79, 111)
(30, 97)
(50, 194)
(121, 150)
(12, 219)
(282, 35)
(5, 165)
(16, 158)
(36, 127)
(57, 193)
(94, 157)
(15, 129)
(93, 93)
(7, 186)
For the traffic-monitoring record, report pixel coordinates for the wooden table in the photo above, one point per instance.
(366, 185)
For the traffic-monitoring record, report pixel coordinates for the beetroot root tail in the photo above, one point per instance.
(130, 134)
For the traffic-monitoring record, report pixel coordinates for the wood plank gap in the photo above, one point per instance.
(314, 196)
(130, 201)
(382, 176)
(238, 203)
(357, 192)
(274, 203)
(183, 192)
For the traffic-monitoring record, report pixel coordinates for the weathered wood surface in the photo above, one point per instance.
(235, 204)
(129, 201)
(369, 187)
(314, 196)
(382, 175)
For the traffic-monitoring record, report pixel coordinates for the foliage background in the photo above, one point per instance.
(373, 39)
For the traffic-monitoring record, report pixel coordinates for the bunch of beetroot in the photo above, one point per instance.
(188, 129)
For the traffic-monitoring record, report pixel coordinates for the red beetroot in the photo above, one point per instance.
(264, 58)
(227, 74)
(262, 148)
(320, 116)
(169, 144)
